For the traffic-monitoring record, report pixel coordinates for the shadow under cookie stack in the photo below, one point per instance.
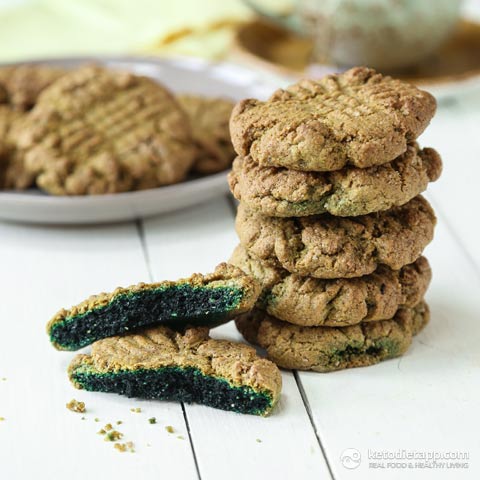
(331, 220)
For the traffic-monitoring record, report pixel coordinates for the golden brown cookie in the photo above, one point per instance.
(97, 131)
(161, 364)
(13, 174)
(339, 302)
(352, 191)
(24, 83)
(358, 118)
(209, 119)
(324, 246)
(325, 349)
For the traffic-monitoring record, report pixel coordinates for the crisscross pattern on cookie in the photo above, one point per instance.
(96, 131)
(359, 118)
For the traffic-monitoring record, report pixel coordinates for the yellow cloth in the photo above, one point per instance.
(47, 28)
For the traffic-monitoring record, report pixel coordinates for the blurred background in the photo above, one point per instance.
(426, 40)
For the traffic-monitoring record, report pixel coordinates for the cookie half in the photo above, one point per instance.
(97, 131)
(159, 363)
(196, 301)
(358, 118)
(325, 349)
(209, 119)
(279, 192)
(311, 301)
(325, 246)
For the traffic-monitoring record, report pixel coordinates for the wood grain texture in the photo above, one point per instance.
(226, 445)
(44, 269)
(423, 401)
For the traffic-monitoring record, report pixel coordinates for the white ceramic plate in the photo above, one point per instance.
(183, 75)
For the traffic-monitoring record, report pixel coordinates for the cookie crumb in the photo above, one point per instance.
(136, 410)
(113, 436)
(169, 429)
(108, 427)
(152, 420)
(121, 447)
(119, 422)
(101, 432)
(76, 406)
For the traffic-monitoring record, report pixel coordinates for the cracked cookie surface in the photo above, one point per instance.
(358, 118)
(324, 246)
(191, 367)
(97, 131)
(279, 192)
(325, 349)
(209, 119)
(311, 301)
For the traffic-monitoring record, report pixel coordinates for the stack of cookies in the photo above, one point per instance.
(331, 221)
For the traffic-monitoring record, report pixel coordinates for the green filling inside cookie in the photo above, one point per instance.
(382, 349)
(187, 384)
(174, 306)
(311, 207)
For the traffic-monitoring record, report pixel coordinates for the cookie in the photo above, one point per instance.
(325, 349)
(159, 363)
(324, 246)
(13, 172)
(311, 301)
(201, 300)
(3, 95)
(209, 119)
(96, 131)
(352, 191)
(24, 83)
(358, 118)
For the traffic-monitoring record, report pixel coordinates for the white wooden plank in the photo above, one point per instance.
(226, 443)
(43, 269)
(426, 401)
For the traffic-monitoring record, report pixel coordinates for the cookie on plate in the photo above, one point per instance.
(13, 172)
(324, 246)
(200, 300)
(279, 192)
(96, 131)
(159, 363)
(325, 349)
(312, 301)
(209, 119)
(358, 118)
(24, 83)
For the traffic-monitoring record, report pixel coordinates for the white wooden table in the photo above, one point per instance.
(426, 402)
